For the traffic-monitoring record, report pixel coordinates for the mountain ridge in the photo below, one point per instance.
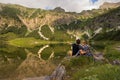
(107, 5)
(37, 21)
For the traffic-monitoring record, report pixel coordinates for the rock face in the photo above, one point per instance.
(108, 5)
(59, 73)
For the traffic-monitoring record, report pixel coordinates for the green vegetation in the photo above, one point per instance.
(85, 68)
(113, 35)
(112, 53)
(20, 34)
(101, 72)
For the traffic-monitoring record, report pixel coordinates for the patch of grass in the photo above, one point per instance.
(111, 52)
(76, 63)
(80, 61)
(101, 72)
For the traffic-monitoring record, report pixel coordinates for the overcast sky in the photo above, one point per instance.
(68, 5)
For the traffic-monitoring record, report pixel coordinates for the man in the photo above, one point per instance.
(77, 48)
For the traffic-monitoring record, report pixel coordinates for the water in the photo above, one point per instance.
(17, 63)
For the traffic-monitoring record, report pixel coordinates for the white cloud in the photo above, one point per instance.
(68, 5)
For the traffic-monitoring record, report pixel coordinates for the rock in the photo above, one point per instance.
(59, 9)
(107, 5)
(59, 73)
(116, 62)
(98, 56)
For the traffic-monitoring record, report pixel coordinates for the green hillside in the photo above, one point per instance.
(59, 25)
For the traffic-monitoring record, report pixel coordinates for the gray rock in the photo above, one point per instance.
(116, 62)
(98, 56)
(59, 73)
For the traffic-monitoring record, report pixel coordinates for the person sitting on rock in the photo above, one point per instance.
(77, 49)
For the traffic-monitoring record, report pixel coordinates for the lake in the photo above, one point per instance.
(20, 62)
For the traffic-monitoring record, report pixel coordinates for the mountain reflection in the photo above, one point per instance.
(18, 63)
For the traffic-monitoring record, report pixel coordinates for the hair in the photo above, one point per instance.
(84, 41)
(78, 41)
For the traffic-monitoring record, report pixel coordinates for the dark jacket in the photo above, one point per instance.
(76, 48)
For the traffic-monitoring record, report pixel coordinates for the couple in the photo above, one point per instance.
(79, 48)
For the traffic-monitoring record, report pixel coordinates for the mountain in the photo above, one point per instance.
(104, 8)
(108, 5)
(59, 9)
(107, 25)
(14, 17)
(56, 24)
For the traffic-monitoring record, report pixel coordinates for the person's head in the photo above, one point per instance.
(78, 41)
(84, 42)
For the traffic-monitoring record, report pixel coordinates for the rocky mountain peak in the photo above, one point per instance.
(59, 9)
(107, 5)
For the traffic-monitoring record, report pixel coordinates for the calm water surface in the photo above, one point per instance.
(17, 63)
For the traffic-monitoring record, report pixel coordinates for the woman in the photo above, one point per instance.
(86, 48)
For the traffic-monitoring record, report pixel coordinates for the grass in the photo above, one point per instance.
(101, 72)
(84, 68)
(111, 52)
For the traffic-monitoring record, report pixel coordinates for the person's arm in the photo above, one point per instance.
(82, 51)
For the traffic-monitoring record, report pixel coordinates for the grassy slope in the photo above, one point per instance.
(84, 68)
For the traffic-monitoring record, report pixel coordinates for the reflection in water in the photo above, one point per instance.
(32, 66)
(41, 49)
(17, 63)
(51, 56)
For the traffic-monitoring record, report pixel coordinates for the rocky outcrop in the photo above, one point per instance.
(108, 5)
(59, 9)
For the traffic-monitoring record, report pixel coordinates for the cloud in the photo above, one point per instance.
(68, 5)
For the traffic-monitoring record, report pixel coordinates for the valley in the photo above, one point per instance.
(34, 41)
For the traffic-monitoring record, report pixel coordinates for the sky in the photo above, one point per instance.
(68, 5)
